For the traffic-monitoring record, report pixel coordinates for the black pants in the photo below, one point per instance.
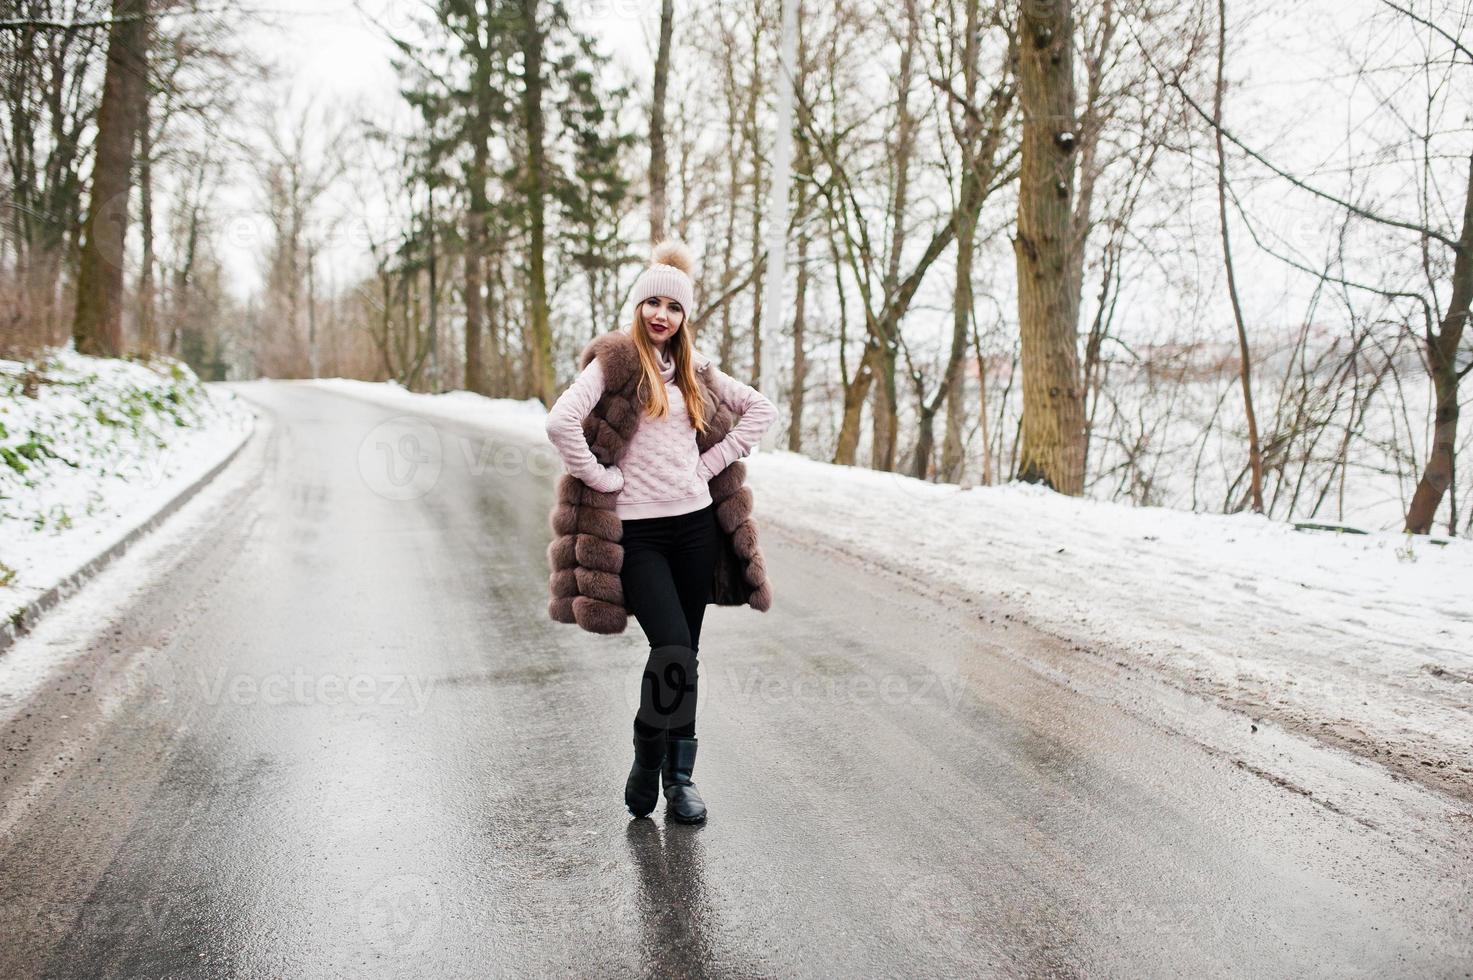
(668, 564)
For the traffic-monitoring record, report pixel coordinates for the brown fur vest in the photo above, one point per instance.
(585, 554)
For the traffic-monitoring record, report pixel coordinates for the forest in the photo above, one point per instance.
(1212, 255)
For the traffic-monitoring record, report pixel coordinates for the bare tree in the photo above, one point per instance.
(986, 155)
(301, 164)
(1442, 328)
(1245, 370)
(868, 242)
(1444, 340)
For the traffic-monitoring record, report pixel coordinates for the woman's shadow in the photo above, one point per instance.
(675, 918)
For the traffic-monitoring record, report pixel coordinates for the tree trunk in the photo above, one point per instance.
(147, 338)
(182, 285)
(755, 90)
(883, 423)
(754, 149)
(804, 167)
(312, 356)
(952, 451)
(543, 383)
(982, 425)
(1442, 364)
(658, 169)
(728, 256)
(952, 458)
(431, 262)
(98, 324)
(1255, 454)
(495, 319)
(1048, 300)
(854, 397)
(475, 252)
(800, 363)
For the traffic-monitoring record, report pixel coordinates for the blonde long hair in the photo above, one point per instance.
(652, 384)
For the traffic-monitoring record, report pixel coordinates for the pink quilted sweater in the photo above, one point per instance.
(662, 472)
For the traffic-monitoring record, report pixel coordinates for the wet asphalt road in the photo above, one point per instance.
(334, 733)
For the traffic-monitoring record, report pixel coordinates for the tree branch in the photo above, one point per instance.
(1457, 44)
(1175, 82)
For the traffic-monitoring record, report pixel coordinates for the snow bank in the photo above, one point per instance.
(92, 447)
(1365, 640)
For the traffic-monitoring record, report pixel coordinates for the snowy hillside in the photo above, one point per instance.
(91, 447)
(1360, 640)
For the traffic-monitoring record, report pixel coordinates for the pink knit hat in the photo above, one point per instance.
(668, 275)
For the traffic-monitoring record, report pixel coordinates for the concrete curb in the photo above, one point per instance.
(24, 620)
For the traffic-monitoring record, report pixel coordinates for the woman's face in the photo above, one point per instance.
(662, 317)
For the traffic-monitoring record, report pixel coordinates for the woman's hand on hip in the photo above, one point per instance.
(610, 480)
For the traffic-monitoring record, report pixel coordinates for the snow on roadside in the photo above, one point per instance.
(92, 447)
(1366, 640)
(526, 416)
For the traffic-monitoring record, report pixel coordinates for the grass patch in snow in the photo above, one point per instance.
(85, 439)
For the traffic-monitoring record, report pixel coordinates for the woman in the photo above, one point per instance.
(671, 540)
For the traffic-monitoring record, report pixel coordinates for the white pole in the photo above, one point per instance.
(774, 310)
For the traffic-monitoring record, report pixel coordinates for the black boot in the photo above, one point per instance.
(682, 803)
(642, 788)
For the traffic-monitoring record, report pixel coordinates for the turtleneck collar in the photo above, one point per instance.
(666, 363)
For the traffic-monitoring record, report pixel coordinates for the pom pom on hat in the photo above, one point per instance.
(672, 252)
(669, 275)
